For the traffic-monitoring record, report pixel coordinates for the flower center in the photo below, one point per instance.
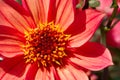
(45, 45)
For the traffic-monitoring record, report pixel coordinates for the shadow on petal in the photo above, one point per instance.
(78, 26)
(12, 67)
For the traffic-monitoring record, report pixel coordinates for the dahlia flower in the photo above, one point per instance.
(49, 40)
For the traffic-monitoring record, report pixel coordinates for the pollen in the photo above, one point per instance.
(45, 45)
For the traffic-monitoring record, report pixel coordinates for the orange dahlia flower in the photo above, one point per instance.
(49, 40)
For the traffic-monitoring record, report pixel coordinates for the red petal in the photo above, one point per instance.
(9, 47)
(38, 9)
(52, 74)
(30, 75)
(13, 68)
(92, 56)
(113, 37)
(10, 41)
(84, 27)
(64, 13)
(9, 31)
(52, 10)
(12, 14)
(11, 54)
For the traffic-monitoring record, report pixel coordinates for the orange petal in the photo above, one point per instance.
(64, 13)
(13, 15)
(71, 73)
(84, 27)
(92, 56)
(38, 9)
(10, 41)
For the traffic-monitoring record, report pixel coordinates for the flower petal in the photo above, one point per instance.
(31, 73)
(6, 30)
(10, 41)
(13, 15)
(84, 27)
(13, 68)
(77, 73)
(64, 13)
(70, 73)
(9, 47)
(40, 75)
(112, 37)
(92, 56)
(38, 9)
(61, 75)
(44, 74)
(53, 75)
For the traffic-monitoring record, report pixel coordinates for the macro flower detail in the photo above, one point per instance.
(45, 45)
(49, 40)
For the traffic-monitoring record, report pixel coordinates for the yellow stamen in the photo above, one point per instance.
(45, 45)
